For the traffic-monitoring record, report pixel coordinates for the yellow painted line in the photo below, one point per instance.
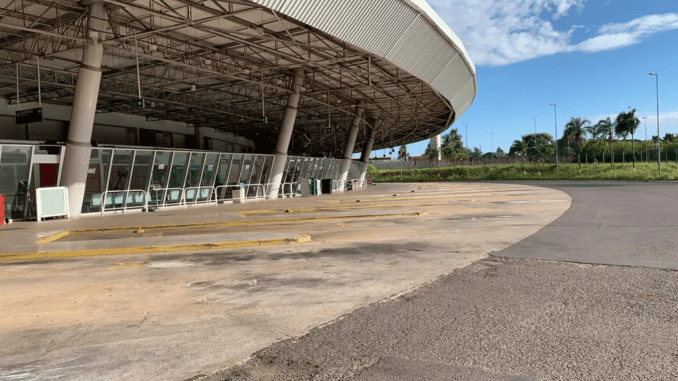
(275, 221)
(341, 208)
(408, 197)
(54, 237)
(42, 255)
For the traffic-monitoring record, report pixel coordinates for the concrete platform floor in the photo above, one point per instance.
(171, 316)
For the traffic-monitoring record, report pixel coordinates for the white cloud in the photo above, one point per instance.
(501, 32)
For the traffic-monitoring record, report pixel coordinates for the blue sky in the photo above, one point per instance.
(589, 57)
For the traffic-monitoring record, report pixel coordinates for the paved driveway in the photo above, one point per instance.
(609, 222)
(592, 296)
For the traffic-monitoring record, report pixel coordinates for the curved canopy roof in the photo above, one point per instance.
(227, 63)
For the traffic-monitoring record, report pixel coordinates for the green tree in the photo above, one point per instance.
(432, 154)
(540, 144)
(499, 152)
(452, 146)
(575, 129)
(402, 153)
(477, 152)
(518, 148)
(605, 127)
(627, 123)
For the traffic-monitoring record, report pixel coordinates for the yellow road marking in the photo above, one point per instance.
(31, 256)
(125, 266)
(406, 196)
(340, 208)
(54, 237)
(275, 221)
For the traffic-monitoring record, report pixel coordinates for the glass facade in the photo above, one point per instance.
(124, 178)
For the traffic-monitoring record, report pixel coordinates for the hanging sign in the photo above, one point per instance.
(32, 115)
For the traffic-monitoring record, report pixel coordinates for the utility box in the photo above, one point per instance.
(326, 186)
(309, 187)
(239, 195)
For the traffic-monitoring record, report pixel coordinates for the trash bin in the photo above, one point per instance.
(326, 186)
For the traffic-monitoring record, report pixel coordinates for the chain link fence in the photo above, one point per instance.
(669, 155)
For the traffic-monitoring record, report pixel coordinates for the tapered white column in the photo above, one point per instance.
(365, 157)
(285, 134)
(350, 143)
(78, 145)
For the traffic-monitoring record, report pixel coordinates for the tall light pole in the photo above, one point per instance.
(659, 152)
(466, 150)
(492, 138)
(645, 137)
(535, 126)
(555, 118)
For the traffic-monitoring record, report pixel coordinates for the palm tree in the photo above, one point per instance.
(402, 153)
(575, 128)
(606, 127)
(628, 123)
(518, 148)
(452, 146)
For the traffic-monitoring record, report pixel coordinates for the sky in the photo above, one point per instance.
(591, 58)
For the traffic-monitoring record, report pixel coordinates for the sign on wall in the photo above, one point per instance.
(31, 115)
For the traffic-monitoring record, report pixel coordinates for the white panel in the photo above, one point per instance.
(463, 95)
(452, 78)
(390, 29)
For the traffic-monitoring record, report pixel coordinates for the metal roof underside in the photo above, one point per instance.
(240, 56)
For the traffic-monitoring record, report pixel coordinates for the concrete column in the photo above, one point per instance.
(365, 157)
(435, 144)
(350, 143)
(78, 143)
(199, 138)
(285, 135)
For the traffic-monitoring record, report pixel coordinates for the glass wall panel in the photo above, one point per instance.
(224, 168)
(255, 176)
(236, 167)
(159, 178)
(178, 174)
(195, 170)
(176, 179)
(141, 172)
(266, 173)
(14, 171)
(321, 169)
(246, 169)
(304, 167)
(193, 176)
(119, 178)
(97, 177)
(291, 167)
(210, 170)
(120, 170)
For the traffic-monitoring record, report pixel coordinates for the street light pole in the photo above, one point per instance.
(645, 137)
(555, 118)
(466, 150)
(659, 152)
(492, 137)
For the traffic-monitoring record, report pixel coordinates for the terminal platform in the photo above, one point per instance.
(113, 304)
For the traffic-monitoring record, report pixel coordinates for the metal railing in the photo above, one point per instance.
(199, 195)
(124, 201)
(175, 196)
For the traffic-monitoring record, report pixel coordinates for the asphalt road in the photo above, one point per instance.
(593, 296)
